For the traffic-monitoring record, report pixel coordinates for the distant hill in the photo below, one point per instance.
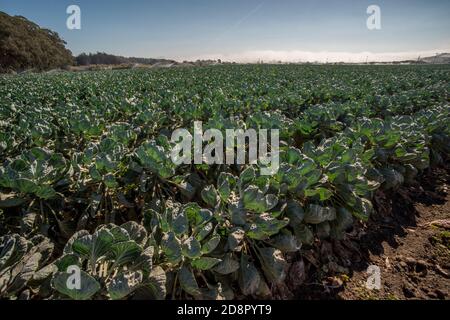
(442, 58)
(24, 45)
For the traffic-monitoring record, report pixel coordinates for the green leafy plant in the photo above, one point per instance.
(114, 262)
(23, 264)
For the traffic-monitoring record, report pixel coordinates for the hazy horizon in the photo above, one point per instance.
(248, 31)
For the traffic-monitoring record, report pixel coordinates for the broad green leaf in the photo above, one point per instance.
(205, 263)
(180, 224)
(101, 243)
(45, 192)
(238, 213)
(171, 248)
(188, 282)
(227, 265)
(304, 234)
(26, 186)
(23, 272)
(196, 215)
(204, 231)
(66, 261)
(88, 285)
(322, 193)
(191, 248)
(145, 261)
(211, 244)
(125, 252)
(136, 231)
(120, 234)
(77, 235)
(210, 196)
(273, 264)
(266, 226)
(235, 238)
(254, 200)
(294, 212)
(83, 245)
(317, 214)
(363, 209)
(249, 278)
(246, 177)
(154, 288)
(123, 284)
(285, 242)
(225, 184)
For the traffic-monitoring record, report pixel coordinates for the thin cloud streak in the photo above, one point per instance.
(252, 12)
(239, 22)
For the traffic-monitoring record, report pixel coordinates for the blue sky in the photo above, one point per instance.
(246, 29)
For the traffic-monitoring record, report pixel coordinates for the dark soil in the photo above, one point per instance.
(408, 239)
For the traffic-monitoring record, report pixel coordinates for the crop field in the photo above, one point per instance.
(93, 207)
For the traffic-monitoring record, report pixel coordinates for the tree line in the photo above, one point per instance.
(24, 45)
(109, 59)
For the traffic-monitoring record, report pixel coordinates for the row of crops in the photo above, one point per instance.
(88, 187)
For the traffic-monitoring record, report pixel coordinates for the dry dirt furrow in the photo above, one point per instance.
(410, 246)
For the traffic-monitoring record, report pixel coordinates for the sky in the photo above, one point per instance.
(247, 30)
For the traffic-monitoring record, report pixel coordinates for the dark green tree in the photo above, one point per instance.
(25, 45)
